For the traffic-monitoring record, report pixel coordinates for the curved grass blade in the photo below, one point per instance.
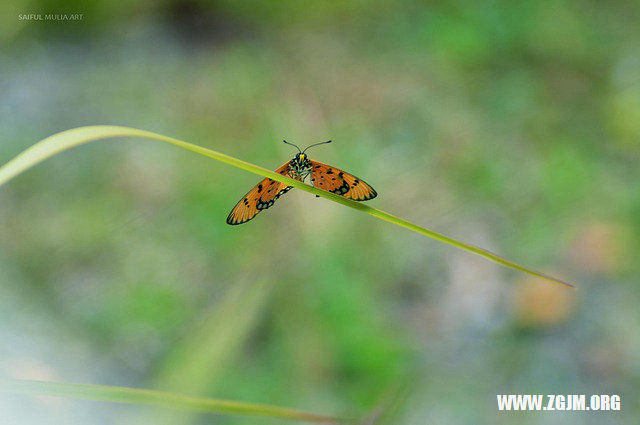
(60, 142)
(157, 398)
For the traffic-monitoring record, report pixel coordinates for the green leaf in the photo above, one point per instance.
(157, 398)
(60, 142)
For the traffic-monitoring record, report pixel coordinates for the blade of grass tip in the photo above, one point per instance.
(60, 142)
(157, 398)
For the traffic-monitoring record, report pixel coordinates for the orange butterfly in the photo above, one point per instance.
(300, 167)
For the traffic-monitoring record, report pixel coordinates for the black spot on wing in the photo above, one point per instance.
(264, 204)
(342, 189)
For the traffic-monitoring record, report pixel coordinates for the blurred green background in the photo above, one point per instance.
(511, 125)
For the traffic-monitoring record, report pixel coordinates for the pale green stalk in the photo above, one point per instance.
(60, 142)
(157, 398)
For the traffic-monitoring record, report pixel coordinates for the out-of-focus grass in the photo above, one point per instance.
(157, 398)
(197, 363)
(511, 124)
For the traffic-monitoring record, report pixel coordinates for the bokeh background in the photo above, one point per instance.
(511, 125)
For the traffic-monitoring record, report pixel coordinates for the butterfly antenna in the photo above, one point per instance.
(295, 146)
(316, 144)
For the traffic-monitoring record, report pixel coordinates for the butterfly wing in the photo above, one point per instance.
(330, 178)
(261, 197)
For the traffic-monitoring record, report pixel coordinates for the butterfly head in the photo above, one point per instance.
(300, 163)
(301, 157)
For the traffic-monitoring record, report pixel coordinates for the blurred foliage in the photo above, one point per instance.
(514, 125)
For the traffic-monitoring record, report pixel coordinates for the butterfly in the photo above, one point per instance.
(323, 176)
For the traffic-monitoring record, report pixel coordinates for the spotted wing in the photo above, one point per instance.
(329, 178)
(261, 197)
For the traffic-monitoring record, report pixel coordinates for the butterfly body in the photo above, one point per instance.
(300, 166)
(323, 176)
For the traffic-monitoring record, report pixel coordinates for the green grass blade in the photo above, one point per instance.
(157, 398)
(195, 363)
(60, 142)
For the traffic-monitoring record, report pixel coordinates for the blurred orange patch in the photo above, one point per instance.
(538, 303)
(597, 248)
